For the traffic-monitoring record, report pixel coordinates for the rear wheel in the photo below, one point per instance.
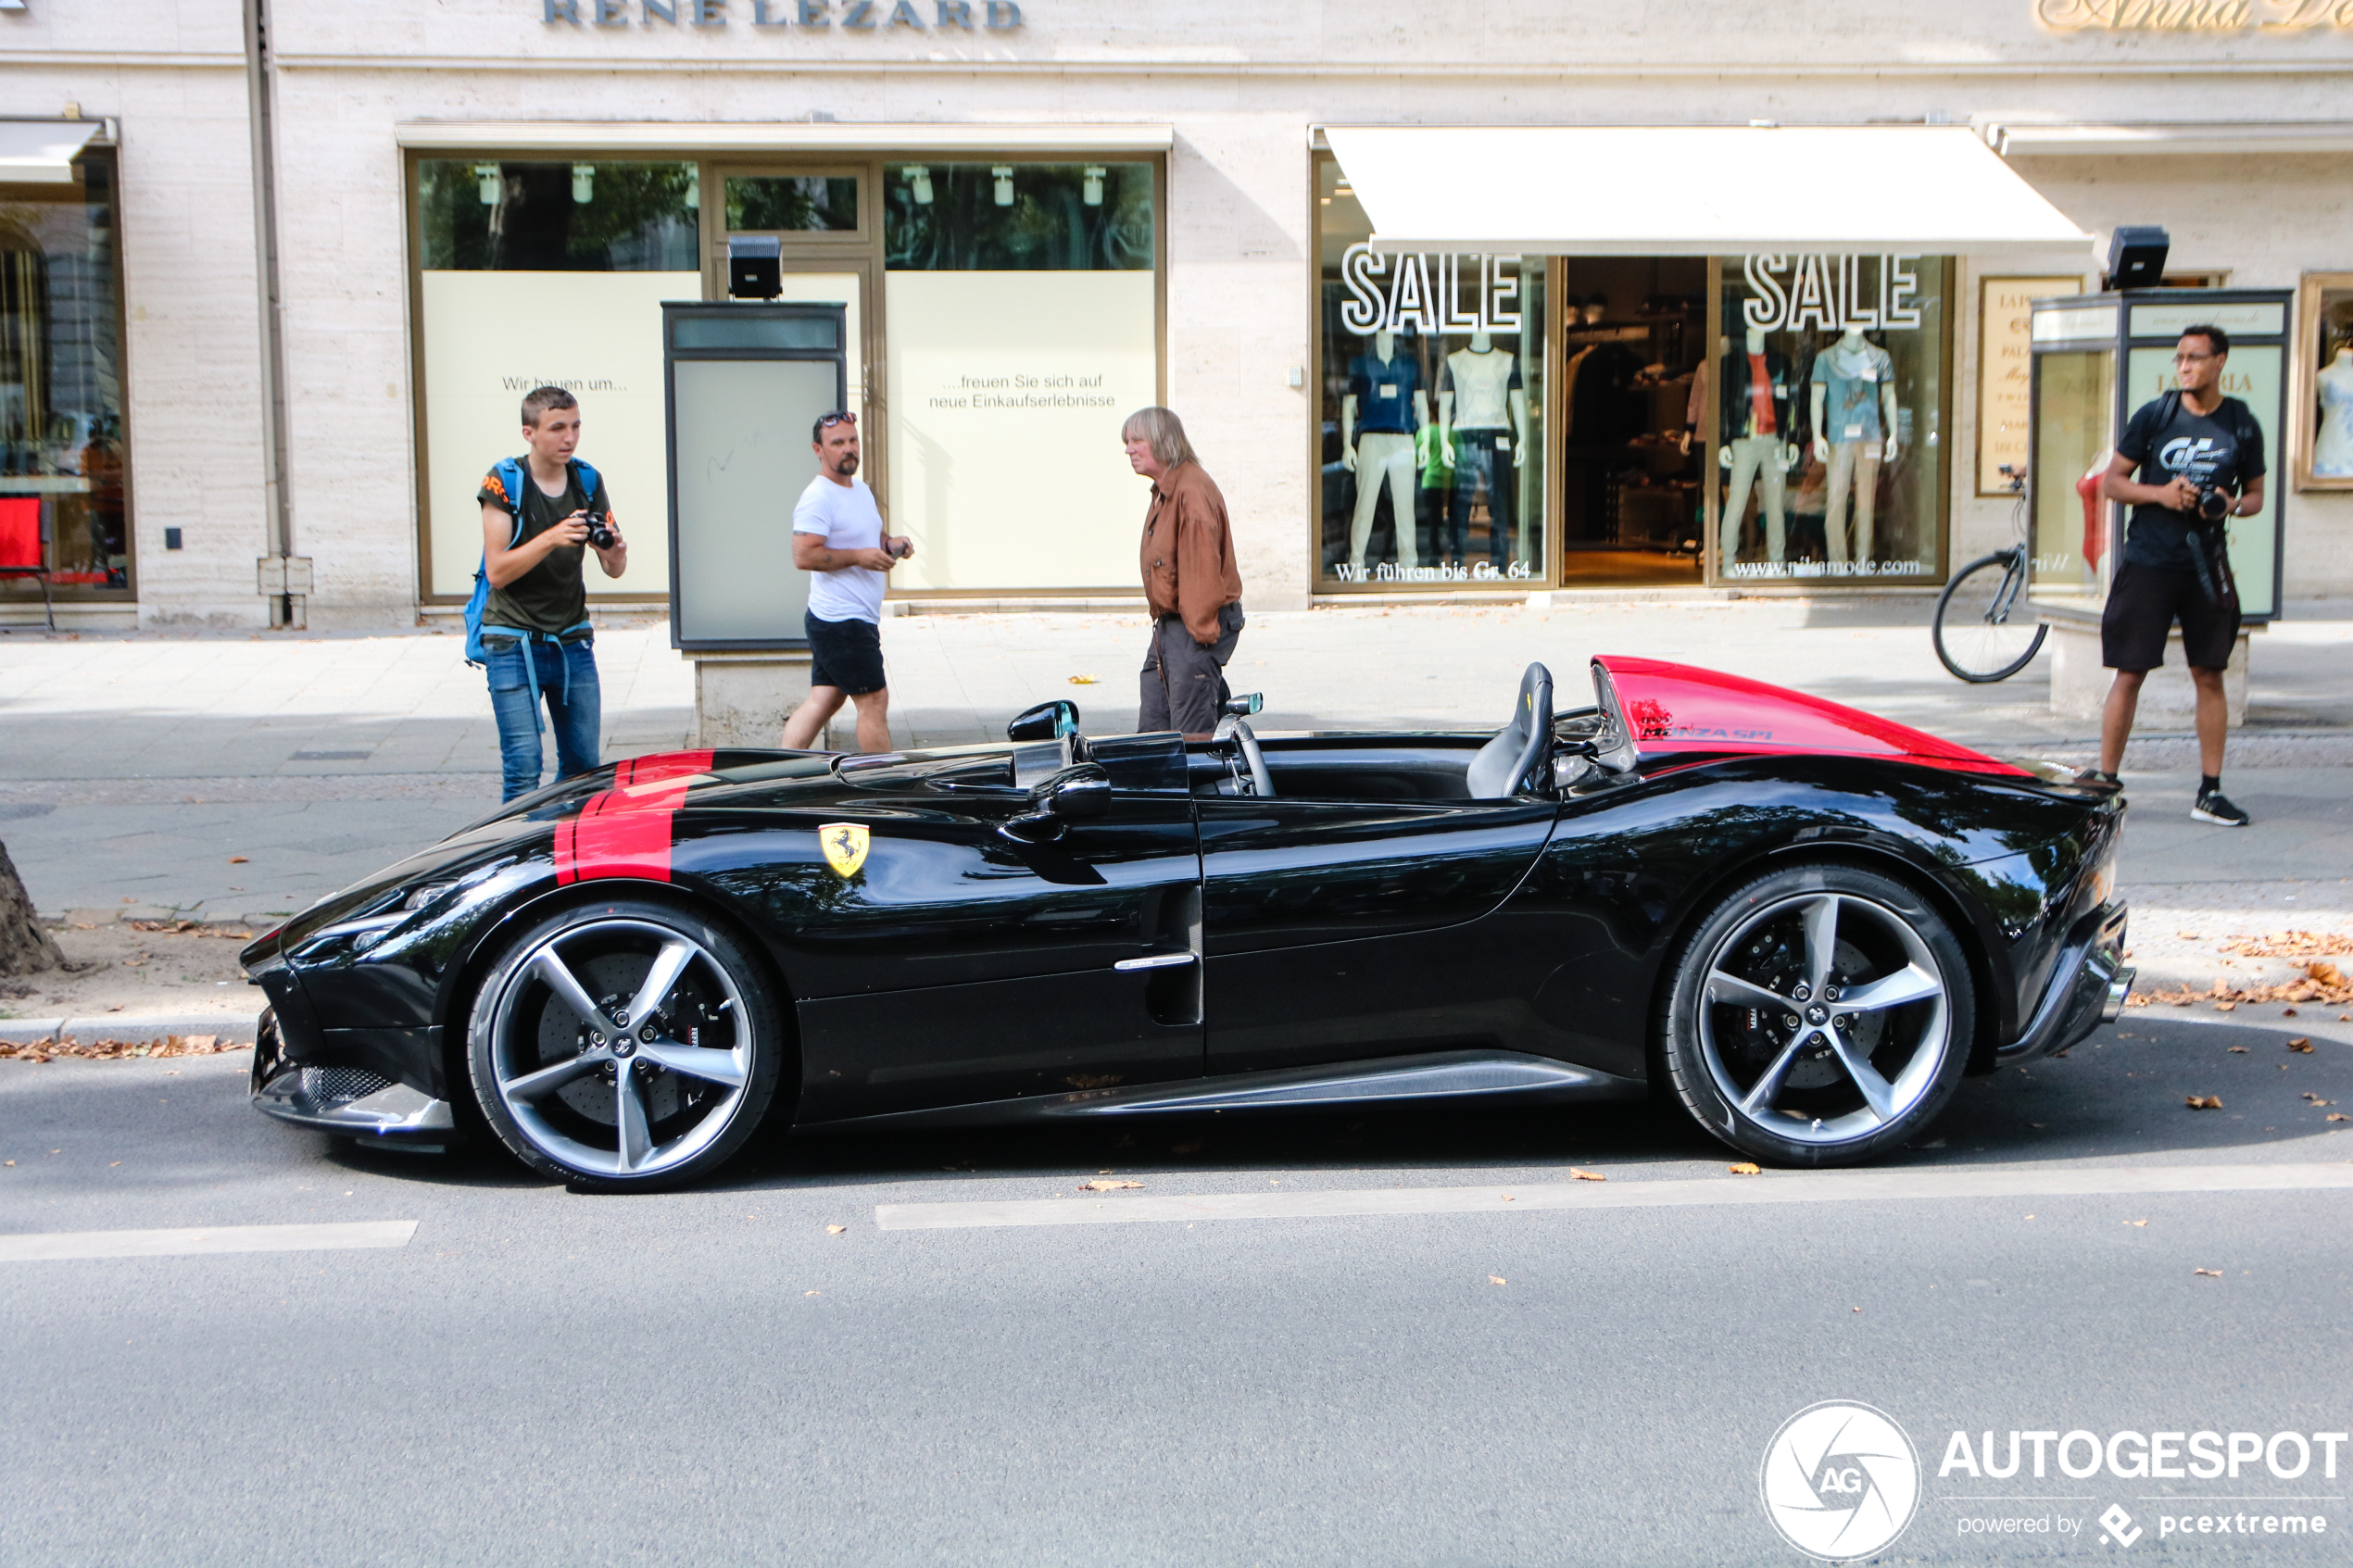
(1985, 629)
(1820, 1016)
(624, 1046)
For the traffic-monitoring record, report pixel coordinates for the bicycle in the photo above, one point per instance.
(1984, 631)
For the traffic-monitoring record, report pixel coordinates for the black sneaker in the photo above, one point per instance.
(2213, 806)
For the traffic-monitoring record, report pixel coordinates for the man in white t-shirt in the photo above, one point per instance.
(838, 538)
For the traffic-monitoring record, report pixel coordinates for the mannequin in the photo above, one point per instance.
(1385, 392)
(2332, 449)
(1854, 410)
(1482, 390)
(1758, 444)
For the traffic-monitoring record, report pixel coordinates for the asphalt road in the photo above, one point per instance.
(717, 1376)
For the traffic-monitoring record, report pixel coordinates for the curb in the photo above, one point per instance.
(130, 1026)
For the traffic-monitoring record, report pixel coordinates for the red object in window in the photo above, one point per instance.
(1677, 707)
(98, 578)
(2094, 514)
(20, 531)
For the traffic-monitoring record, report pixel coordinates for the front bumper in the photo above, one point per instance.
(353, 1101)
(2087, 988)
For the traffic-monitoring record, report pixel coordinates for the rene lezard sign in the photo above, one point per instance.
(2193, 16)
(853, 16)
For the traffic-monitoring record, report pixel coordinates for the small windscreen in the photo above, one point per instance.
(1616, 738)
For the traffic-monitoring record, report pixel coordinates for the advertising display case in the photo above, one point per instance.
(2096, 358)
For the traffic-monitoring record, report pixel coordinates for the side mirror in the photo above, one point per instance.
(1243, 707)
(1075, 794)
(1048, 721)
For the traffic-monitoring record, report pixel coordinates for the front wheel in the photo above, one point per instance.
(624, 1046)
(1985, 630)
(1820, 1016)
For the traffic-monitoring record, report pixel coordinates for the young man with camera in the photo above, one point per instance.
(2209, 450)
(535, 637)
(838, 538)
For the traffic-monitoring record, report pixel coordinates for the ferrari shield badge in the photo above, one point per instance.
(845, 847)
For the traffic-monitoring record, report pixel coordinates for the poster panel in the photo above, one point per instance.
(489, 337)
(2252, 375)
(1007, 393)
(2004, 335)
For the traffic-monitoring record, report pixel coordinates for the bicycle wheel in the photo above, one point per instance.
(1985, 630)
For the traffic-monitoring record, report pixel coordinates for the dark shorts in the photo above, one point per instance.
(846, 655)
(2143, 604)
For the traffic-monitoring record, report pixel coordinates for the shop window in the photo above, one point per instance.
(1829, 395)
(2325, 434)
(2075, 407)
(61, 437)
(1431, 392)
(792, 204)
(547, 272)
(1022, 309)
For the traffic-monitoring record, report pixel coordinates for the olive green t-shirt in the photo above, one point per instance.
(551, 597)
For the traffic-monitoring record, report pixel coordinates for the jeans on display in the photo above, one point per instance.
(1477, 456)
(1854, 466)
(1756, 464)
(1384, 458)
(567, 678)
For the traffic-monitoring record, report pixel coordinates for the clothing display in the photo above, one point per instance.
(1482, 385)
(1759, 463)
(2166, 439)
(1852, 378)
(2333, 447)
(1759, 396)
(1384, 390)
(1481, 457)
(1854, 467)
(1384, 458)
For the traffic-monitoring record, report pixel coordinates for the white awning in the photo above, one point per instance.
(41, 152)
(1694, 189)
(937, 139)
(2180, 138)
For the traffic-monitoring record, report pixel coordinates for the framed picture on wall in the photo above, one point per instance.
(2322, 398)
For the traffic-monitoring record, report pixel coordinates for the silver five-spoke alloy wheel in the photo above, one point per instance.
(1821, 1014)
(621, 1046)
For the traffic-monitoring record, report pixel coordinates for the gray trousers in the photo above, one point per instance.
(1183, 686)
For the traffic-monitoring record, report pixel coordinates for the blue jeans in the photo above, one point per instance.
(576, 707)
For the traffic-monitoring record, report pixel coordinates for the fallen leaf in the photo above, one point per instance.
(2339, 1116)
(9, 1162)
(2209, 1273)
(1747, 1169)
(1587, 1176)
(2030, 1216)
(2143, 1223)
(1508, 1199)
(1854, 1308)
(1107, 1187)
(1494, 1279)
(2226, 1007)
(2317, 1099)
(836, 1230)
(2238, 1050)
(2287, 1012)
(809, 1293)
(2300, 1044)
(2205, 1102)
(1084, 679)
(237, 859)
(112, 1163)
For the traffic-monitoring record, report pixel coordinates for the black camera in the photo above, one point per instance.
(598, 535)
(2214, 503)
(900, 548)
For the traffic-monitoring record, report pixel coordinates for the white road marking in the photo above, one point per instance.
(1774, 1186)
(40, 1246)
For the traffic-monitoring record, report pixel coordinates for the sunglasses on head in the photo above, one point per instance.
(838, 416)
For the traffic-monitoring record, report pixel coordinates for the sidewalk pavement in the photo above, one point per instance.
(238, 777)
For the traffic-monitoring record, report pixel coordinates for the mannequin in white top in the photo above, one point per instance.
(2332, 449)
(1484, 402)
(1378, 457)
(1855, 387)
(1757, 460)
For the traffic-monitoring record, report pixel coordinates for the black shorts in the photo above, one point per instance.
(2142, 606)
(845, 654)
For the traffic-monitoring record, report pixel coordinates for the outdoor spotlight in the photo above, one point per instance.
(919, 185)
(1004, 173)
(489, 183)
(1091, 190)
(2136, 256)
(584, 183)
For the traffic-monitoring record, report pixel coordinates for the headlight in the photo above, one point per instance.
(421, 896)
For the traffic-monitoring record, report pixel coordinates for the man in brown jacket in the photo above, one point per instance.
(1191, 582)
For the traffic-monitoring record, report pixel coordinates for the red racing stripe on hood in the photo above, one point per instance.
(625, 831)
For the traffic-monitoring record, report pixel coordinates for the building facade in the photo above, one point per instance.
(271, 281)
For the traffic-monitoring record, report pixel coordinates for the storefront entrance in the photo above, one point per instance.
(1632, 507)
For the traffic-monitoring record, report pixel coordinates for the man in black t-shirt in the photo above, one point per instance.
(2196, 441)
(535, 626)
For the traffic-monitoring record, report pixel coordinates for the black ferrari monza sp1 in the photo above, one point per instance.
(1803, 923)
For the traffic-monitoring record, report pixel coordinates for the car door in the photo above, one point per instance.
(1340, 930)
(965, 964)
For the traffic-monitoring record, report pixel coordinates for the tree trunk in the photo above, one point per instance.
(25, 945)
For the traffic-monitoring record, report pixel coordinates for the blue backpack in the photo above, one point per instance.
(513, 474)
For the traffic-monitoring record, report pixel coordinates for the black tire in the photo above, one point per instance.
(612, 1102)
(1750, 965)
(1982, 619)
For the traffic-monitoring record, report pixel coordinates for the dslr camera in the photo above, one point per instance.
(600, 535)
(2214, 503)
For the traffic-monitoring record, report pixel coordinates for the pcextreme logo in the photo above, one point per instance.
(1840, 1480)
